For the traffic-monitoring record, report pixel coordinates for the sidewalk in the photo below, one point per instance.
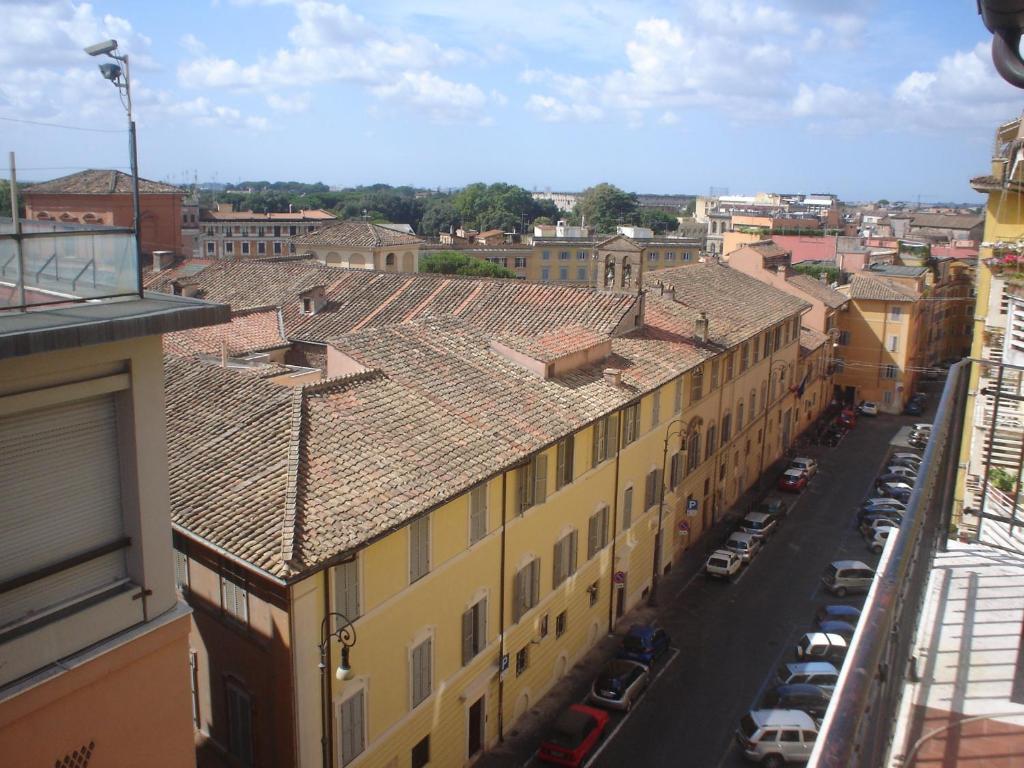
(523, 736)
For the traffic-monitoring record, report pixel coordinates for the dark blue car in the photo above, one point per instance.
(914, 408)
(848, 613)
(644, 643)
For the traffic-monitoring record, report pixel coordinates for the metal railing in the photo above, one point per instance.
(858, 729)
(52, 263)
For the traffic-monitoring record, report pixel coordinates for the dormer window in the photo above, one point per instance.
(308, 306)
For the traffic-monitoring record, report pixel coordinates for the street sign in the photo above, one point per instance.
(504, 663)
(683, 527)
(619, 577)
(692, 505)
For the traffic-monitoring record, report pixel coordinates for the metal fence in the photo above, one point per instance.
(859, 726)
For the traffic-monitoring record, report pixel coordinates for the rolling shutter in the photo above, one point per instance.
(60, 471)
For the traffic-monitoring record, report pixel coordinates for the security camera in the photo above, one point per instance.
(106, 47)
(110, 71)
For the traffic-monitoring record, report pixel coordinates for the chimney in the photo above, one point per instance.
(672, 292)
(613, 376)
(822, 278)
(289, 207)
(162, 259)
(702, 326)
(661, 288)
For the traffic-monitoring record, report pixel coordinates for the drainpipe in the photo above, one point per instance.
(501, 613)
(615, 528)
(326, 735)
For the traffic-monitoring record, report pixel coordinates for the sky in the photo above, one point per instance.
(861, 98)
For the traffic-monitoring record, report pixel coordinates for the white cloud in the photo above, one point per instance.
(443, 100)
(296, 102)
(668, 118)
(193, 44)
(552, 110)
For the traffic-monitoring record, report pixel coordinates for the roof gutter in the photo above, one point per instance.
(227, 555)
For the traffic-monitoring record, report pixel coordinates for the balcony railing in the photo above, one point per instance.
(52, 263)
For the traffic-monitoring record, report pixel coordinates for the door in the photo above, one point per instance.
(476, 727)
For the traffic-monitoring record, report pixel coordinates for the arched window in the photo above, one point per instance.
(726, 428)
(609, 273)
(739, 415)
(389, 260)
(693, 451)
(711, 442)
(764, 392)
(627, 272)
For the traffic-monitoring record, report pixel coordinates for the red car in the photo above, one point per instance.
(848, 418)
(575, 733)
(793, 480)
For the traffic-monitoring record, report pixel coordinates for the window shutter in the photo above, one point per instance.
(611, 436)
(597, 443)
(351, 725)
(518, 595)
(540, 479)
(346, 589)
(534, 582)
(604, 527)
(560, 468)
(467, 637)
(627, 508)
(573, 538)
(523, 490)
(556, 566)
(478, 513)
(480, 617)
(592, 537)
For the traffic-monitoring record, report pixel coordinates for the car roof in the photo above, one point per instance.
(803, 458)
(811, 667)
(850, 564)
(906, 455)
(722, 553)
(781, 718)
(793, 471)
(742, 536)
(808, 688)
(841, 610)
(834, 625)
(757, 517)
(825, 637)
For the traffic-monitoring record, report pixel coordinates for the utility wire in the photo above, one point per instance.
(67, 127)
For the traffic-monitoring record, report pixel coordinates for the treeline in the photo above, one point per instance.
(478, 206)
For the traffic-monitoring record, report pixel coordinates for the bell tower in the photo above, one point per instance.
(620, 265)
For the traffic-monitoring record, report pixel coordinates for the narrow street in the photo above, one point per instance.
(732, 638)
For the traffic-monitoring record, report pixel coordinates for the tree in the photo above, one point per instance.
(439, 215)
(659, 221)
(606, 206)
(883, 202)
(1002, 479)
(832, 274)
(455, 263)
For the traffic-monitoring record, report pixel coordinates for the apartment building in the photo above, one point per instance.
(225, 233)
(360, 244)
(94, 649)
(436, 488)
(103, 197)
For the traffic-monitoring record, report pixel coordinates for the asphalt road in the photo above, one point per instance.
(731, 638)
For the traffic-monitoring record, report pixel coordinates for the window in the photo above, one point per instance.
(525, 589)
(520, 262)
(477, 513)
(245, 248)
(564, 565)
(597, 532)
(545, 274)
(891, 371)
(686, 256)
(351, 726)
(277, 248)
(419, 672)
(581, 255)
(767, 344)
(744, 357)
(652, 486)
(180, 570)
(894, 343)
(693, 452)
(670, 255)
(757, 350)
(627, 508)
(715, 365)
(840, 364)
(563, 255)
(546, 255)
(561, 623)
(697, 384)
(532, 482)
(712, 441)
(652, 256)
(726, 428)
(293, 230)
(677, 398)
(739, 415)
(581, 274)
(594, 590)
(566, 451)
(522, 660)
(844, 338)
(346, 589)
(421, 753)
(895, 314)
(261, 248)
(209, 248)
(308, 305)
(234, 598)
(239, 723)
(419, 548)
(474, 631)
(277, 231)
(543, 629)
(606, 435)
(563, 274)
(655, 409)
(729, 367)
(229, 247)
(193, 675)
(887, 397)
(675, 470)
(778, 338)
(630, 423)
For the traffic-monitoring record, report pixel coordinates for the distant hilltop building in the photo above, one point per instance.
(564, 201)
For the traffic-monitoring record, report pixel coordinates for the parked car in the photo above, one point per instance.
(844, 629)
(847, 418)
(896, 469)
(906, 455)
(723, 564)
(619, 684)
(891, 517)
(913, 408)
(914, 464)
(921, 427)
(877, 542)
(820, 646)
(760, 524)
(793, 480)
(835, 434)
(746, 545)
(868, 408)
(848, 613)
(808, 466)
(845, 576)
(896, 490)
(820, 673)
(894, 477)
(918, 440)
(573, 736)
(644, 643)
(803, 696)
(774, 506)
(774, 737)
(883, 501)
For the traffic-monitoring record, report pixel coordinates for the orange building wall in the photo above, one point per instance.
(132, 703)
(160, 217)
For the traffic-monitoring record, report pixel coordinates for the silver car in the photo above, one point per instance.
(743, 544)
(774, 737)
(619, 684)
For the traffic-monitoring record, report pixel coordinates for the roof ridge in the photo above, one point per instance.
(324, 385)
(291, 494)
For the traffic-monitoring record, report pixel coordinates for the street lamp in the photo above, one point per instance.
(345, 633)
(683, 432)
(122, 81)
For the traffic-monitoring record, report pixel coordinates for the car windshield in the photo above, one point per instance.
(737, 544)
(830, 572)
(754, 524)
(747, 726)
(634, 643)
(718, 562)
(570, 729)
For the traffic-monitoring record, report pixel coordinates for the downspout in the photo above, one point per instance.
(501, 613)
(615, 527)
(326, 735)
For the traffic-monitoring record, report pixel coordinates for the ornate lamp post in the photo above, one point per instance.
(345, 633)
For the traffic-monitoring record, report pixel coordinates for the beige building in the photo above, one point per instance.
(362, 245)
(94, 649)
(225, 233)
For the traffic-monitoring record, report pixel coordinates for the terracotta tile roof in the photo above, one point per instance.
(946, 220)
(249, 331)
(816, 289)
(99, 182)
(872, 288)
(769, 249)
(810, 340)
(161, 281)
(554, 344)
(355, 234)
(316, 214)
